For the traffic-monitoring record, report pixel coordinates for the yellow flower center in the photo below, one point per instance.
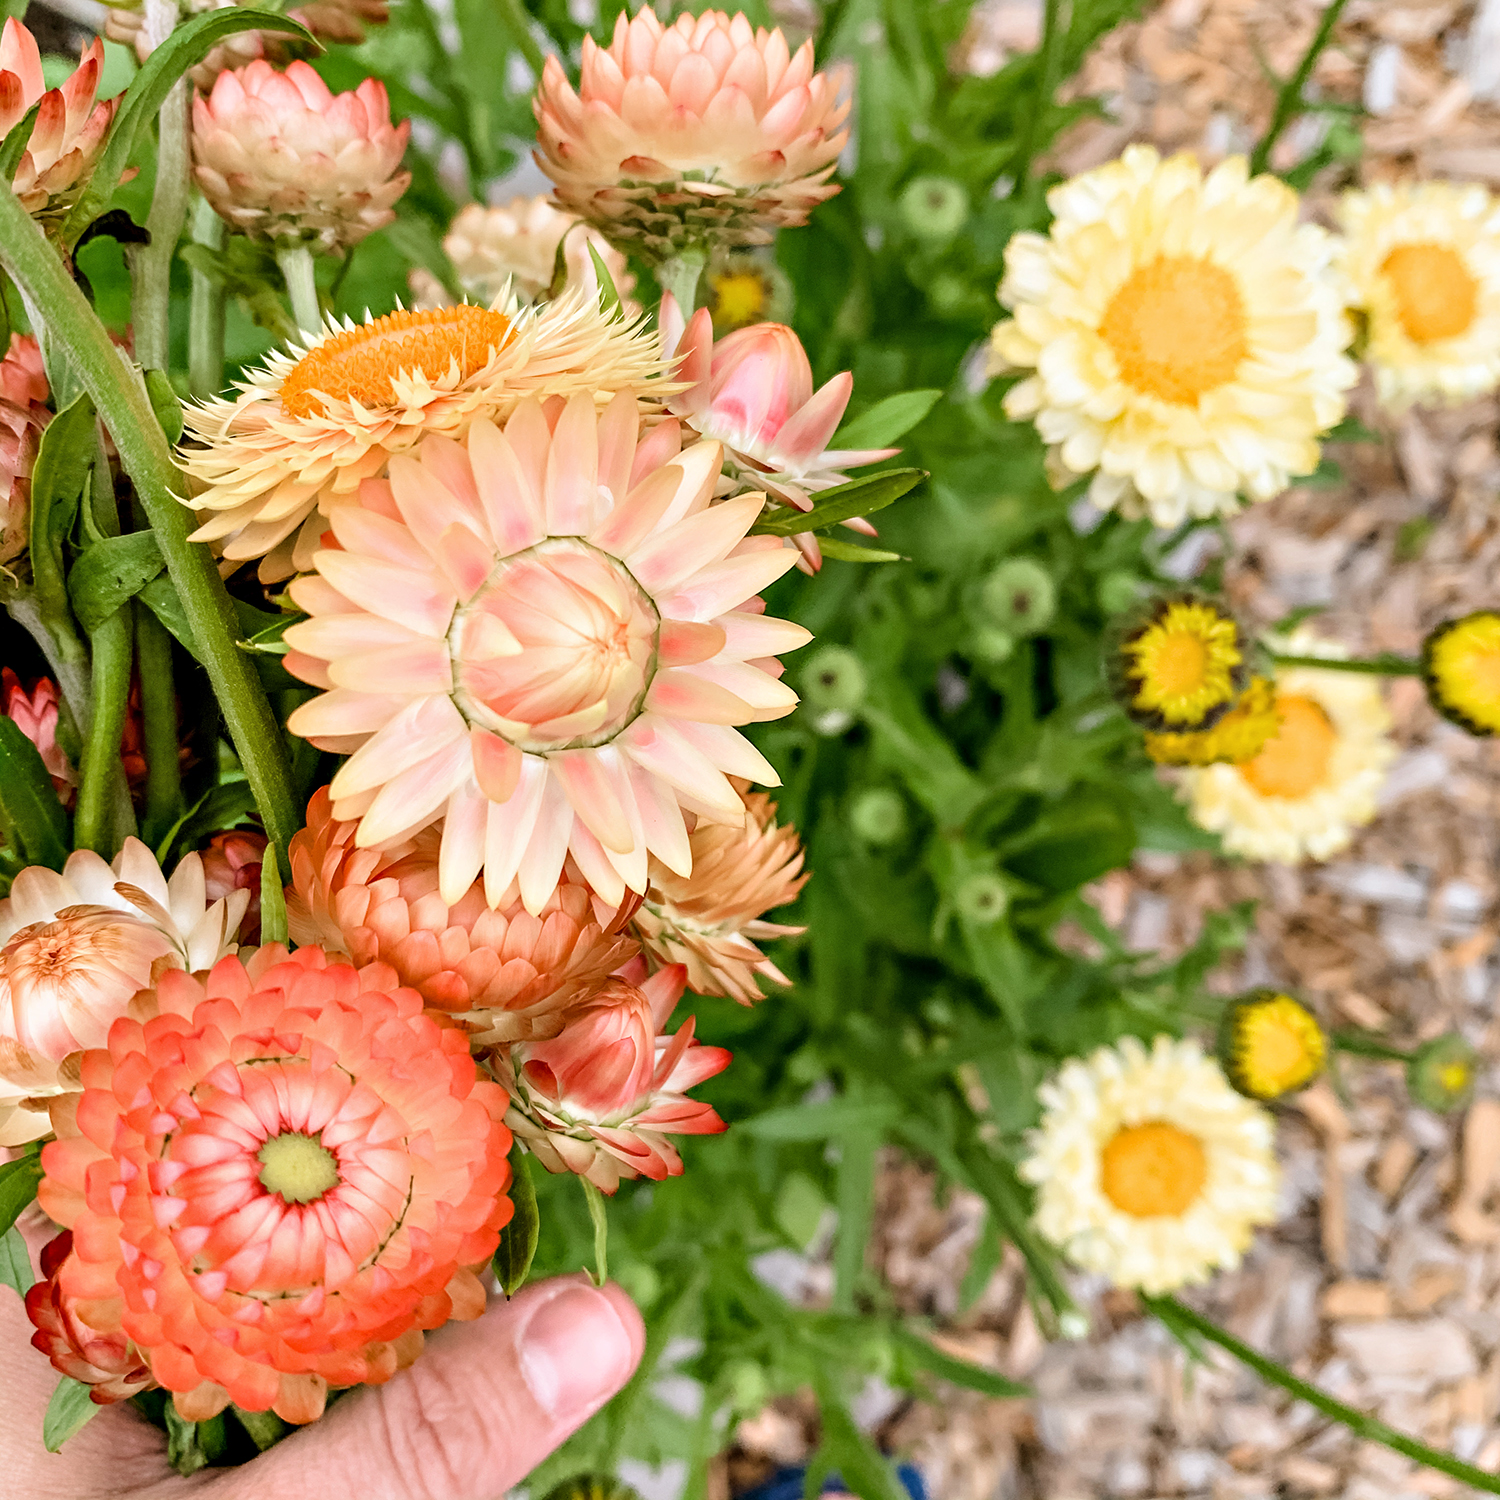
(1277, 1047)
(1436, 295)
(1454, 1078)
(1179, 666)
(1153, 1170)
(1465, 670)
(1178, 328)
(1183, 664)
(740, 298)
(362, 363)
(1294, 761)
(298, 1167)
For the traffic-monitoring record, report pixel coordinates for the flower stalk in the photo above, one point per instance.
(600, 1218)
(1387, 664)
(1289, 96)
(95, 821)
(680, 276)
(153, 646)
(152, 263)
(206, 314)
(297, 267)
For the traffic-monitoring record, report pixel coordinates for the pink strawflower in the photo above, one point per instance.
(543, 635)
(753, 392)
(502, 974)
(702, 133)
(35, 714)
(282, 158)
(278, 1182)
(23, 416)
(70, 127)
(232, 862)
(602, 1098)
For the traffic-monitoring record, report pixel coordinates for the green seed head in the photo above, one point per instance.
(878, 816)
(934, 208)
(1019, 597)
(834, 681)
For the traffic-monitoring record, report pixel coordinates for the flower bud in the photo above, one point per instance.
(982, 898)
(1179, 662)
(747, 287)
(23, 416)
(1270, 1045)
(834, 684)
(1461, 668)
(934, 208)
(878, 816)
(1441, 1073)
(1019, 597)
(991, 645)
(592, 1487)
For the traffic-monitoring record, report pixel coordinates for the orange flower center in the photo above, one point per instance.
(1436, 295)
(362, 363)
(1294, 761)
(1177, 327)
(1153, 1170)
(298, 1167)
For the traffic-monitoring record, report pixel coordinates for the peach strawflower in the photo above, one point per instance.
(35, 714)
(232, 862)
(278, 1182)
(502, 973)
(23, 416)
(544, 636)
(753, 392)
(103, 1359)
(710, 920)
(282, 158)
(602, 1098)
(70, 127)
(77, 949)
(704, 133)
(272, 464)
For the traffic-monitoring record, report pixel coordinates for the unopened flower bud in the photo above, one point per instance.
(934, 208)
(878, 816)
(833, 687)
(1461, 667)
(1270, 1045)
(982, 898)
(1018, 597)
(993, 646)
(1441, 1073)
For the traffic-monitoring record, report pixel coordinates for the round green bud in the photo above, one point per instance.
(834, 681)
(1441, 1073)
(934, 208)
(982, 898)
(748, 1387)
(1118, 591)
(878, 815)
(993, 645)
(592, 1487)
(1019, 597)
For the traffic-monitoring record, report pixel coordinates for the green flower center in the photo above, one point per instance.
(300, 1168)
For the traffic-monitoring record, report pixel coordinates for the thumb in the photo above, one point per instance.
(478, 1411)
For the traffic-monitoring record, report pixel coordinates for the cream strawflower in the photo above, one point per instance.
(1315, 780)
(1150, 1169)
(704, 133)
(1186, 332)
(271, 464)
(543, 635)
(1423, 260)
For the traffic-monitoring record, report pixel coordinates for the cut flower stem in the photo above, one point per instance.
(1387, 664)
(597, 1213)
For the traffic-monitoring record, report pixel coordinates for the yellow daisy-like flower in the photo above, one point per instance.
(311, 425)
(1423, 264)
(1149, 1168)
(746, 288)
(1271, 1044)
(1238, 736)
(1181, 664)
(1461, 667)
(1315, 781)
(1186, 334)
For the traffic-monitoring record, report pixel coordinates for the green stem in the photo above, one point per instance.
(1364, 1044)
(1387, 664)
(1289, 97)
(296, 264)
(94, 821)
(518, 23)
(152, 264)
(119, 394)
(1371, 1429)
(206, 326)
(680, 277)
(153, 650)
(1054, 34)
(601, 1230)
(69, 660)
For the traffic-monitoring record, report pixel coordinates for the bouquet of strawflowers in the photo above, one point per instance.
(477, 584)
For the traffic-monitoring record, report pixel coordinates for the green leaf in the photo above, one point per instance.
(231, 804)
(1073, 844)
(843, 551)
(518, 1240)
(13, 148)
(188, 45)
(265, 1427)
(63, 463)
(15, 1261)
(272, 900)
(860, 497)
(856, 1209)
(861, 1467)
(817, 1122)
(166, 403)
(886, 420)
(927, 1356)
(161, 598)
(597, 1212)
(70, 1408)
(18, 1185)
(609, 296)
(114, 569)
(35, 819)
(417, 241)
(184, 1450)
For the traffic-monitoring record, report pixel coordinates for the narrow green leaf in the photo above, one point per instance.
(161, 598)
(609, 296)
(231, 804)
(63, 463)
(35, 817)
(841, 551)
(188, 45)
(860, 1464)
(15, 1261)
(856, 1208)
(18, 1185)
(518, 1240)
(166, 403)
(817, 1122)
(114, 569)
(272, 900)
(886, 420)
(842, 503)
(70, 1408)
(13, 148)
(923, 1353)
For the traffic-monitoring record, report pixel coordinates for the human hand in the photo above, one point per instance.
(485, 1403)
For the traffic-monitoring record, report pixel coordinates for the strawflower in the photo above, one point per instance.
(1183, 336)
(602, 1098)
(23, 417)
(278, 1182)
(306, 429)
(1461, 667)
(711, 920)
(1179, 663)
(35, 715)
(501, 973)
(281, 158)
(232, 862)
(705, 133)
(544, 635)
